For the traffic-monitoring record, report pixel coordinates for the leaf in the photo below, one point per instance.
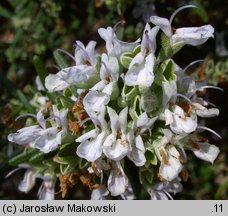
(69, 164)
(135, 108)
(22, 157)
(67, 92)
(202, 13)
(222, 190)
(67, 150)
(65, 168)
(66, 102)
(128, 93)
(60, 60)
(169, 70)
(149, 100)
(151, 159)
(168, 49)
(82, 163)
(146, 175)
(40, 157)
(5, 13)
(152, 100)
(40, 69)
(126, 58)
(25, 102)
(67, 137)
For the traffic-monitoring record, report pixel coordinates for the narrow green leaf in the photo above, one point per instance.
(60, 60)
(25, 102)
(39, 157)
(67, 150)
(40, 69)
(22, 157)
(5, 13)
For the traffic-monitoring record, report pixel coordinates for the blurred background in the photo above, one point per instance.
(38, 27)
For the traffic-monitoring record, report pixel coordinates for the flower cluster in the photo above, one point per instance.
(121, 120)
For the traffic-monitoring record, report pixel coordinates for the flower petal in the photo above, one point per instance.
(77, 74)
(193, 36)
(171, 170)
(91, 150)
(108, 36)
(138, 151)
(91, 134)
(169, 89)
(207, 113)
(168, 117)
(206, 152)
(141, 74)
(28, 181)
(94, 100)
(163, 23)
(149, 39)
(158, 195)
(48, 140)
(114, 118)
(115, 149)
(25, 135)
(99, 193)
(55, 82)
(40, 118)
(117, 181)
(99, 86)
(123, 119)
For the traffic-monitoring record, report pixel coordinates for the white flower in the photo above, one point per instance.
(193, 36)
(109, 74)
(56, 82)
(99, 193)
(92, 141)
(142, 124)
(170, 166)
(203, 150)
(199, 106)
(116, 145)
(169, 89)
(141, 71)
(47, 188)
(114, 46)
(179, 122)
(161, 191)
(85, 58)
(141, 68)
(40, 137)
(26, 135)
(206, 152)
(117, 181)
(94, 102)
(128, 194)
(28, 181)
(85, 55)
